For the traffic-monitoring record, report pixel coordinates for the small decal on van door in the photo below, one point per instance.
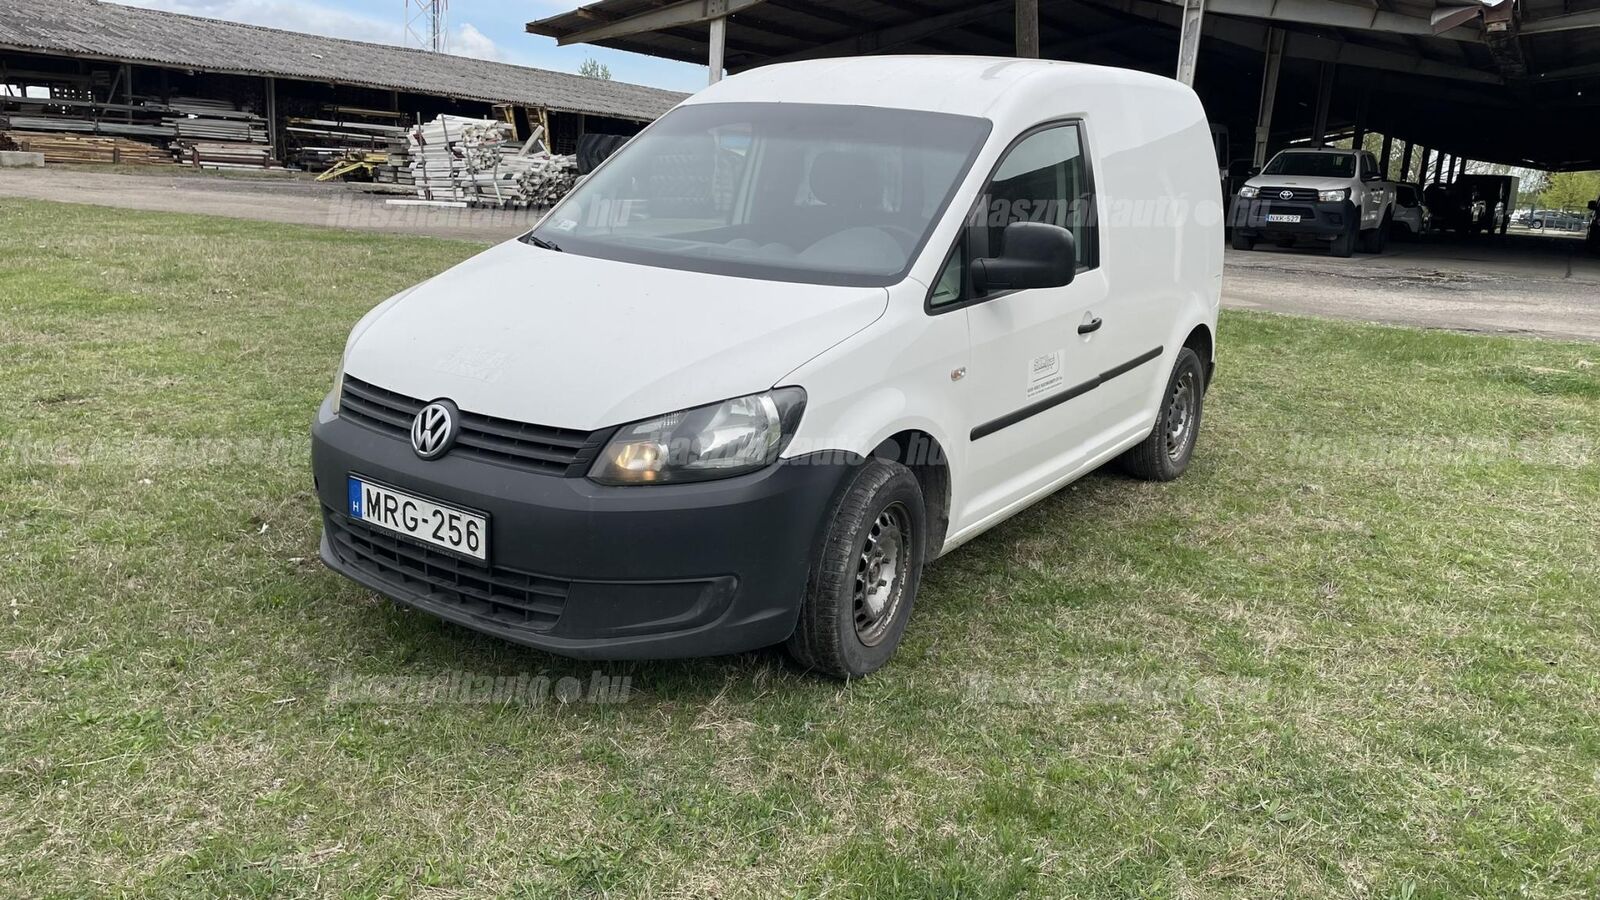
(1044, 373)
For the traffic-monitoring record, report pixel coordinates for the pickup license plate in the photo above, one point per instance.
(448, 528)
(1283, 217)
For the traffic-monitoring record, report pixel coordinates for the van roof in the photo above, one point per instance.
(965, 85)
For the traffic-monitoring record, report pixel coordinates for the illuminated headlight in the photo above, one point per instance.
(1248, 193)
(1333, 196)
(721, 440)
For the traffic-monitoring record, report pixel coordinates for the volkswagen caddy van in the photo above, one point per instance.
(817, 326)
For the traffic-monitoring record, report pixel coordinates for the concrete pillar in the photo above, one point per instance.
(1383, 158)
(1405, 162)
(1269, 96)
(1319, 126)
(1027, 29)
(719, 47)
(1194, 14)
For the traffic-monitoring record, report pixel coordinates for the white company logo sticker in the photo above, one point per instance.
(1044, 373)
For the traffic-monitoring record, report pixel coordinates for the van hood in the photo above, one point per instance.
(1300, 181)
(570, 341)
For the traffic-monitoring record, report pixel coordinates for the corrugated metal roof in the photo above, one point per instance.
(87, 28)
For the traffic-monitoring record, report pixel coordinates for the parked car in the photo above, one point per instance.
(1473, 204)
(1411, 216)
(1335, 196)
(673, 420)
(1556, 219)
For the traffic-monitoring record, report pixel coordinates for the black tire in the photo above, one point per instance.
(838, 633)
(1164, 455)
(1374, 240)
(1242, 241)
(1345, 244)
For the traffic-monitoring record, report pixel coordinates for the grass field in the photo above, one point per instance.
(1356, 652)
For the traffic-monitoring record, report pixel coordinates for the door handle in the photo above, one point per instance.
(1091, 326)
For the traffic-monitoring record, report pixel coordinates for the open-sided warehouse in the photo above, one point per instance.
(94, 71)
(1517, 82)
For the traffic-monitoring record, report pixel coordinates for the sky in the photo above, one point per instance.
(487, 29)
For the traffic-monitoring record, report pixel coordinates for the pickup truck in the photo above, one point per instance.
(1335, 196)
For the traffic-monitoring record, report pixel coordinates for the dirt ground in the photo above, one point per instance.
(1517, 284)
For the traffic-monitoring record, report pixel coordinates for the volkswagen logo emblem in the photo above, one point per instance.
(434, 429)
(1286, 195)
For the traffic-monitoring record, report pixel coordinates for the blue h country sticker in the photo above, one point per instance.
(355, 498)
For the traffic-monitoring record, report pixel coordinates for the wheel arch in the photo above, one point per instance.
(922, 453)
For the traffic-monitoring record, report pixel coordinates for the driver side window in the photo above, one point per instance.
(1044, 178)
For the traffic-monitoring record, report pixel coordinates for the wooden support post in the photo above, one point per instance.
(1027, 29)
(1383, 158)
(270, 89)
(1405, 162)
(1269, 96)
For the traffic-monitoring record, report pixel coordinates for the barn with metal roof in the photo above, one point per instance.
(1514, 82)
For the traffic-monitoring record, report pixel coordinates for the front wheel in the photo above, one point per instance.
(1242, 241)
(860, 593)
(1164, 455)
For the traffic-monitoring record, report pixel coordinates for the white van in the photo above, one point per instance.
(820, 324)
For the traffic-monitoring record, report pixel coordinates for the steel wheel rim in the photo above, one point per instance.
(1183, 406)
(881, 573)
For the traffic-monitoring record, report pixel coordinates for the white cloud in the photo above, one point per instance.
(467, 40)
(316, 18)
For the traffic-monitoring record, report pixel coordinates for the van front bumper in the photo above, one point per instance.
(1318, 220)
(582, 569)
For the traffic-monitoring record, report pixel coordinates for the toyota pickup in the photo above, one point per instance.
(1338, 197)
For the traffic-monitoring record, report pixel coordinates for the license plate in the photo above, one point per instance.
(1282, 217)
(446, 527)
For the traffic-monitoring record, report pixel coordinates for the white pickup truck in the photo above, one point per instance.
(1338, 197)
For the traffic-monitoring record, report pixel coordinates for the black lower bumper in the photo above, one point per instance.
(582, 569)
(1316, 219)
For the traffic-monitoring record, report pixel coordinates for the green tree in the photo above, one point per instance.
(593, 68)
(1570, 190)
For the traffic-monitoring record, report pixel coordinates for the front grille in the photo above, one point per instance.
(504, 597)
(533, 448)
(1301, 194)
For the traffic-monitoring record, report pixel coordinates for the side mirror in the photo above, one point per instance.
(1594, 205)
(1037, 255)
(1252, 172)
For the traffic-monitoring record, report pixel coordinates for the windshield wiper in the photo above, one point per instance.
(541, 243)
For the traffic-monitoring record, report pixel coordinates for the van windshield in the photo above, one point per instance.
(1312, 165)
(821, 194)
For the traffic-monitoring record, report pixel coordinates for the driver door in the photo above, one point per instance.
(1031, 406)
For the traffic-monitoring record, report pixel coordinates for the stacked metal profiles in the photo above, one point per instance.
(458, 159)
(216, 134)
(318, 144)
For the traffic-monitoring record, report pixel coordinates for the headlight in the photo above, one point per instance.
(1333, 196)
(721, 440)
(1248, 193)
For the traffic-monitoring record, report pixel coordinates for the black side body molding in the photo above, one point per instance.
(1077, 390)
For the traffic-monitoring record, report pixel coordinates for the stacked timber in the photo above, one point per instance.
(59, 147)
